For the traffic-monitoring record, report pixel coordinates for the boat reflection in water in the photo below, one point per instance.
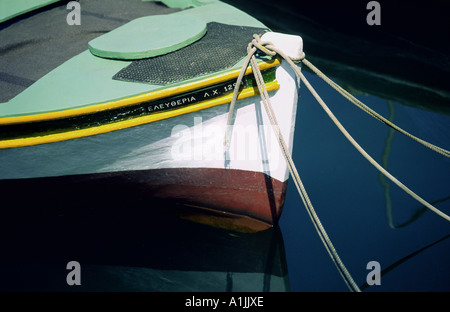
(124, 247)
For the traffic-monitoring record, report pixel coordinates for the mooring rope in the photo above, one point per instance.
(371, 112)
(270, 49)
(252, 48)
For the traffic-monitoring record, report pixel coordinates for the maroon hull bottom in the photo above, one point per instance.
(239, 200)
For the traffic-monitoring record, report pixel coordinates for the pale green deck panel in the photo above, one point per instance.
(83, 80)
(87, 79)
(12, 8)
(183, 4)
(148, 37)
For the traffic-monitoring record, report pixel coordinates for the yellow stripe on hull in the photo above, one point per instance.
(150, 96)
(30, 141)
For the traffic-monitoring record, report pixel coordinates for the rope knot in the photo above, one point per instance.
(257, 44)
(299, 59)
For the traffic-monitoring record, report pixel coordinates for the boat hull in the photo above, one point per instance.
(181, 159)
(244, 201)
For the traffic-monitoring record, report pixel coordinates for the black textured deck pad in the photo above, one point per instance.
(221, 47)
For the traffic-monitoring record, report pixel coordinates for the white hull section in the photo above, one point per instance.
(189, 141)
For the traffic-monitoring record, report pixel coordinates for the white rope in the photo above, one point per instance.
(268, 48)
(273, 50)
(371, 112)
(368, 157)
(293, 170)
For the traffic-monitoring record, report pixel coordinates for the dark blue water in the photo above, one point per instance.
(351, 202)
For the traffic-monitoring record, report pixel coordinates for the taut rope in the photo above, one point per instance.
(269, 49)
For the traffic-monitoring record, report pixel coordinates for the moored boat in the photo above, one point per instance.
(143, 112)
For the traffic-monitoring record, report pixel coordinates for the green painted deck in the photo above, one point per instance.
(86, 79)
(12, 8)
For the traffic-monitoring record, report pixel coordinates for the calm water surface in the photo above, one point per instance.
(353, 203)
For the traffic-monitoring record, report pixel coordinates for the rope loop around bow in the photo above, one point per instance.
(269, 49)
(264, 46)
